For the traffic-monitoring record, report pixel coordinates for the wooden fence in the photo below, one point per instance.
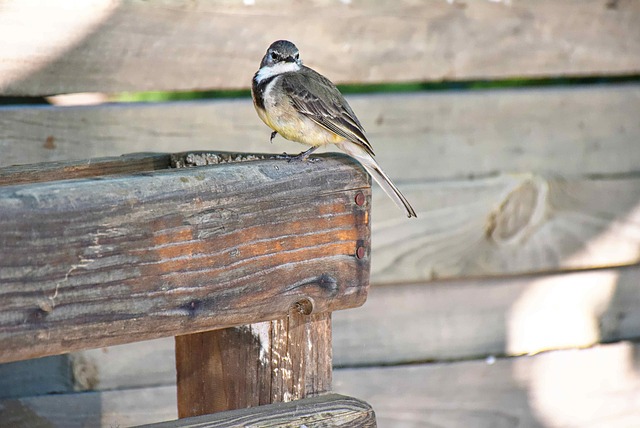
(528, 199)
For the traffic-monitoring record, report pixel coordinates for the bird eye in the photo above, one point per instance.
(274, 55)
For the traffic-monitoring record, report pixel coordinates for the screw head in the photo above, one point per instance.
(360, 198)
(360, 252)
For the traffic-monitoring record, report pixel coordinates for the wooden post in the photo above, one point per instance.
(257, 364)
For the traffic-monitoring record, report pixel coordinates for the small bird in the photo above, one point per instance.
(303, 106)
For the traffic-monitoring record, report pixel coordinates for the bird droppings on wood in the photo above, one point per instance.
(189, 159)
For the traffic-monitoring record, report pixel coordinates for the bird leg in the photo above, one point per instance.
(304, 155)
(273, 135)
(299, 157)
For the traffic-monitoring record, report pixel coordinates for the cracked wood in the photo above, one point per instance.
(107, 260)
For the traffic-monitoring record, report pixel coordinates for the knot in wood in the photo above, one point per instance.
(519, 213)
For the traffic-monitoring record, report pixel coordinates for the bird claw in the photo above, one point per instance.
(302, 157)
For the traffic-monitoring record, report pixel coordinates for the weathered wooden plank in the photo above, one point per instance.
(120, 46)
(443, 320)
(87, 263)
(254, 365)
(418, 136)
(516, 223)
(327, 410)
(107, 409)
(39, 376)
(507, 224)
(67, 170)
(588, 388)
(139, 406)
(450, 320)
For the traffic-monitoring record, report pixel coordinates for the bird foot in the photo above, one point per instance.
(297, 158)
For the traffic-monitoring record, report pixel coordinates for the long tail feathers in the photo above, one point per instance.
(372, 167)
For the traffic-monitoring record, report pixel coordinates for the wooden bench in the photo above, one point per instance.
(524, 173)
(114, 250)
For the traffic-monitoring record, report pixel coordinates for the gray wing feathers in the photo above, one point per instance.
(316, 97)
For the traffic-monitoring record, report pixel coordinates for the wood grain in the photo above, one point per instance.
(254, 365)
(590, 387)
(507, 224)
(419, 136)
(106, 409)
(441, 321)
(179, 45)
(453, 320)
(595, 387)
(92, 262)
(330, 410)
(68, 170)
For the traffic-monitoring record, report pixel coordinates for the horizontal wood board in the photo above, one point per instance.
(108, 409)
(417, 136)
(103, 46)
(329, 410)
(67, 170)
(87, 263)
(452, 320)
(501, 224)
(595, 387)
(505, 225)
(441, 321)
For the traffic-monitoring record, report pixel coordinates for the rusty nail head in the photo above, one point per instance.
(360, 252)
(360, 198)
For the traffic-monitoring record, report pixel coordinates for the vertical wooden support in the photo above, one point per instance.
(257, 364)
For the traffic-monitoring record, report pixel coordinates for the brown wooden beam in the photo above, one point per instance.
(96, 262)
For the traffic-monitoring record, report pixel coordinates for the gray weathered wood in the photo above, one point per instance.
(139, 406)
(449, 320)
(443, 320)
(507, 224)
(92, 262)
(331, 410)
(419, 136)
(49, 375)
(184, 45)
(253, 365)
(67, 170)
(595, 387)
(598, 387)
(107, 409)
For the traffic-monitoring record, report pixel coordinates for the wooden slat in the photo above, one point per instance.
(139, 406)
(67, 170)
(107, 409)
(182, 45)
(444, 320)
(497, 225)
(555, 389)
(88, 263)
(254, 365)
(585, 388)
(331, 410)
(418, 136)
(449, 320)
(507, 224)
